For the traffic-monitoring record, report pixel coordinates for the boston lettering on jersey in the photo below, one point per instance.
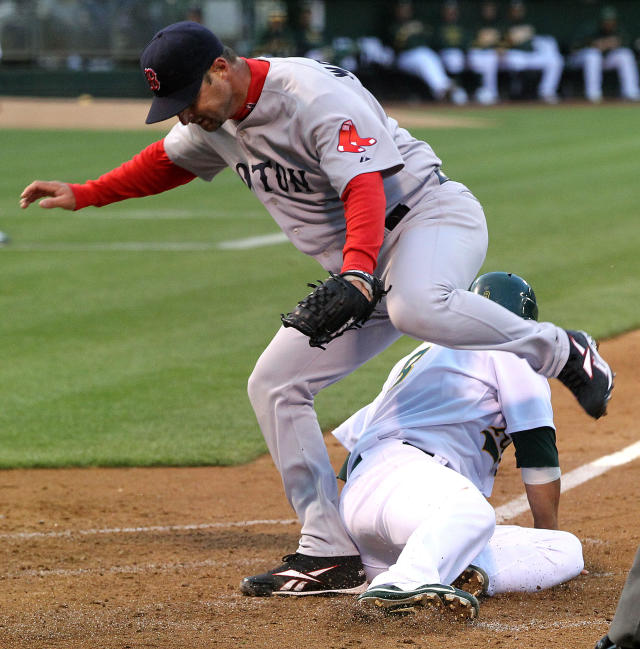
(270, 173)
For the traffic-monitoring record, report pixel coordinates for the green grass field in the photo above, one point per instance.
(128, 336)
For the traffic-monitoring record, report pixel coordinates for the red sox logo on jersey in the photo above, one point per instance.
(152, 78)
(350, 142)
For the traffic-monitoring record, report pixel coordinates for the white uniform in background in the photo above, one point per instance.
(424, 455)
(426, 64)
(543, 56)
(593, 62)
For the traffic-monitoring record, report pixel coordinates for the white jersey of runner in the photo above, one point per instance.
(299, 148)
(458, 405)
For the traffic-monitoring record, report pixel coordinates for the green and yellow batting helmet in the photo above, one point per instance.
(508, 290)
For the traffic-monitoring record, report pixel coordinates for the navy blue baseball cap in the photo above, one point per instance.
(174, 63)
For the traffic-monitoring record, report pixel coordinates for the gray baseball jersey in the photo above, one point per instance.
(299, 148)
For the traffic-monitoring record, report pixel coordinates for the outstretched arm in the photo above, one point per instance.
(149, 172)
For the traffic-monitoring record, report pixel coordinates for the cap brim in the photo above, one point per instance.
(165, 107)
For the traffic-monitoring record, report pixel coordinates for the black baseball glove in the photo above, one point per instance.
(334, 306)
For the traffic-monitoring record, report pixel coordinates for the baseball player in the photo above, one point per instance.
(606, 46)
(483, 56)
(424, 455)
(361, 196)
(411, 40)
(527, 50)
(459, 49)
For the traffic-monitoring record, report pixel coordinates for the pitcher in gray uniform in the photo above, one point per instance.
(354, 190)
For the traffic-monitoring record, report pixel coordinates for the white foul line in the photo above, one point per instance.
(503, 513)
(148, 246)
(254, 242)
(573, 479)
(143, 530)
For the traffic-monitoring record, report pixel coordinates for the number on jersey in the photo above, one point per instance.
(409, 365)
(495, 441)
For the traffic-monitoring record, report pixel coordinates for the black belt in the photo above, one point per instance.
(399, 211)
(359, 459)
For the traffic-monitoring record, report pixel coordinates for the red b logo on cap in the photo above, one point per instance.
(152, 78)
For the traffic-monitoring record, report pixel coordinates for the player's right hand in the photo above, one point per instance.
(53, 193)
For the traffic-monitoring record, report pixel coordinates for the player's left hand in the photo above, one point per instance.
(363, 287)
(340, 303)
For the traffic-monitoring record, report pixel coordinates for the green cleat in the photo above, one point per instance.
(444, 598)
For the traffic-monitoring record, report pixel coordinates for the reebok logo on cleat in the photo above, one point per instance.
(300, 579)
(308, 575)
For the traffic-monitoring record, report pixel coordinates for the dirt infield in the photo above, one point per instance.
(124, 558)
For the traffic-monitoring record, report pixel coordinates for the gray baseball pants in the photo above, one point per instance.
(625, 626)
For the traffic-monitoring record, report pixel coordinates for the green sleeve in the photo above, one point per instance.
(342, 474)
(536, 447)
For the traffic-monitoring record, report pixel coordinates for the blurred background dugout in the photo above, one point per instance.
(73, 47)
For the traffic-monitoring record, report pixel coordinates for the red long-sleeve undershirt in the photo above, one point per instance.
(149, 172)
(364, 209)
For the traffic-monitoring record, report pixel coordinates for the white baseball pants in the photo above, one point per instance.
(485, 63)
(593, 62)
(453, 59)
(544, 57)
(426, 64)
(418, 522)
